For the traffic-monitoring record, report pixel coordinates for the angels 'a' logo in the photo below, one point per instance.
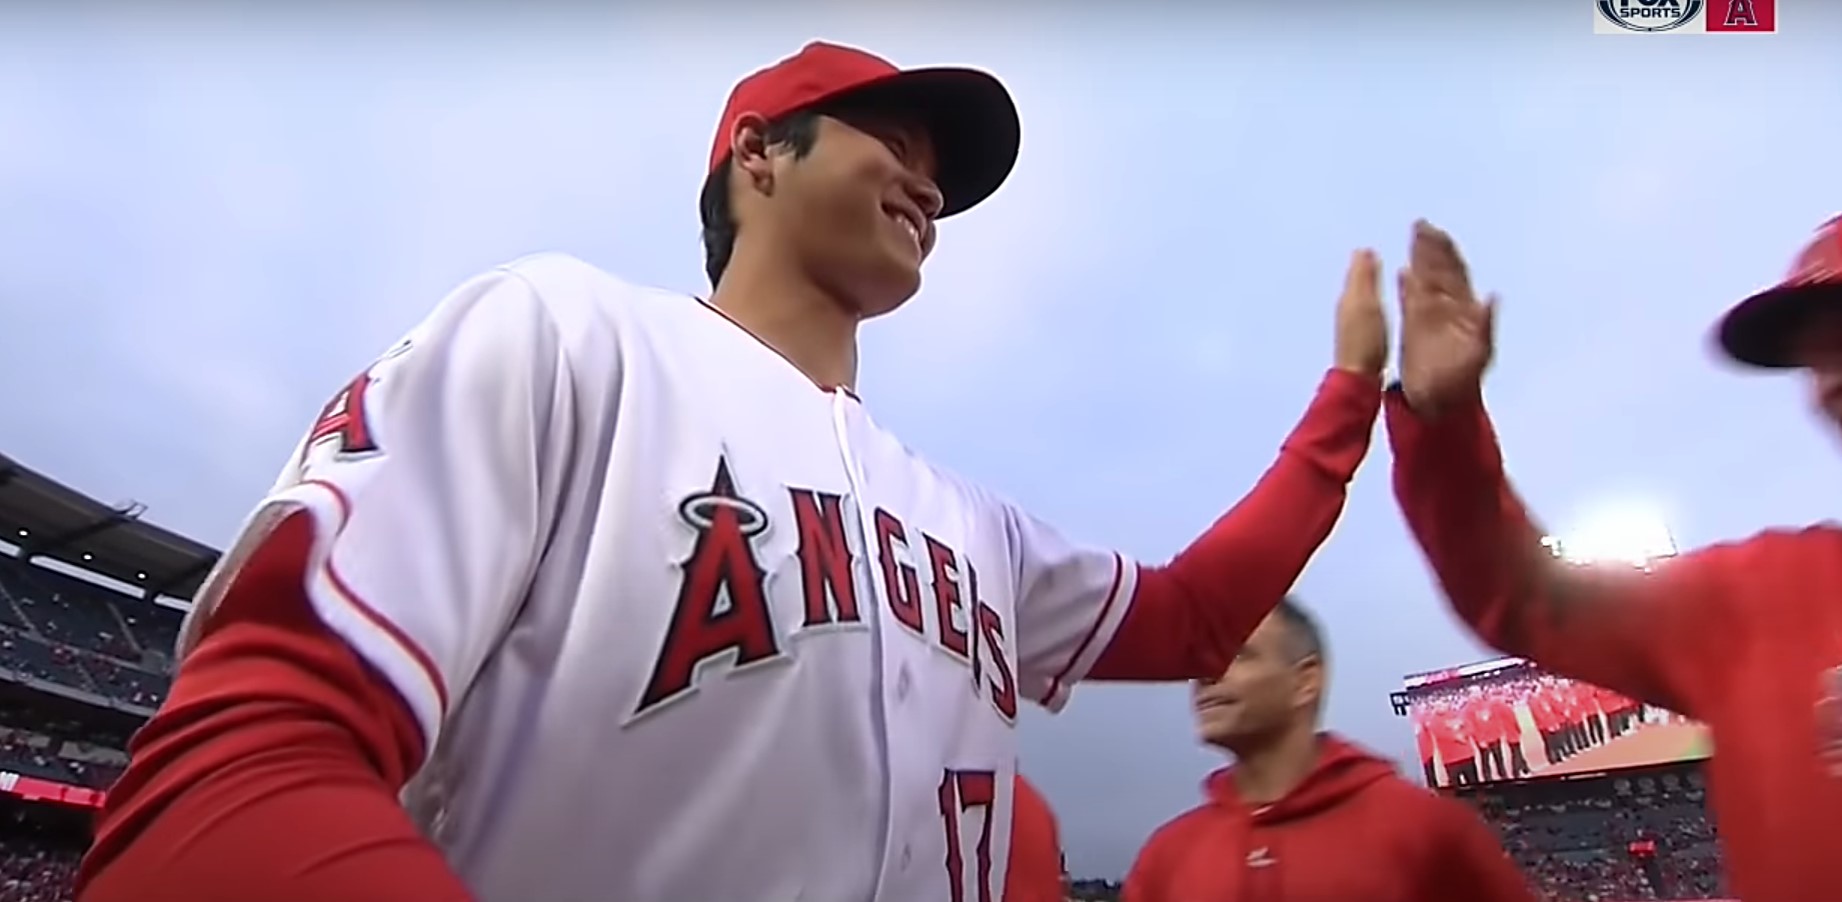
(722, 605)
(721, 508)
(344, 421)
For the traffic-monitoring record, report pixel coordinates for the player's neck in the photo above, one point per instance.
(1265, 775)
(795, 317)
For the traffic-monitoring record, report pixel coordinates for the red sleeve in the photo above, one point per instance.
(1189, 617)
(1651, 633)
(272, 770)
(1469, 862)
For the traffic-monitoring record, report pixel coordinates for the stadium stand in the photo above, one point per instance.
(86, 635)
(1630, 835)
(1598, 797)
(39, 848)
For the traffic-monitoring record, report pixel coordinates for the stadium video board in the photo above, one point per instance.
(1506, 719)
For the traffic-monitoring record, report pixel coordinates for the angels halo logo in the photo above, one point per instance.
(1650, 15)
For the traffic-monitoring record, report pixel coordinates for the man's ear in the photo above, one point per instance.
(1310, 686)
(748, 151)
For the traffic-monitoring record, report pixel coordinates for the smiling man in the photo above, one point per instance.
(590, 591)
(1304, 815)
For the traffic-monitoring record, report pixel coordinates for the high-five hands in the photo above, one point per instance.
(1447, 334)
(1362, 326)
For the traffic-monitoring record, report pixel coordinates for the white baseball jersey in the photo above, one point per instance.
(677, 623)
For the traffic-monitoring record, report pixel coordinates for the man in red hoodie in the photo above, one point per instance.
(1306, 816)
(1743, 636)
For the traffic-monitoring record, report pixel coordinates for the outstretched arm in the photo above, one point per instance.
(1189, 617)
(1089, 613)
(275, 729)
(1652, 633)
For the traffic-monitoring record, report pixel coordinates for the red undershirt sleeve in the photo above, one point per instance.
(1188, 618)
(1646, 632)
(271, 774)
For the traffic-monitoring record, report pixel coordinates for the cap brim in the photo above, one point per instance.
(1761, 331)
(970, 117)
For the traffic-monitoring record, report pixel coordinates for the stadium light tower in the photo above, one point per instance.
(1629, 534)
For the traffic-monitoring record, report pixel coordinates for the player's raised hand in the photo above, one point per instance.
(1362, 325)
(1447, 334)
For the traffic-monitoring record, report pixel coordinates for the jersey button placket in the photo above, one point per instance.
(911, 780)
(895, 678)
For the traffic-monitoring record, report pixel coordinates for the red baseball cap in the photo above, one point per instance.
(968, 113)
(1762, 330)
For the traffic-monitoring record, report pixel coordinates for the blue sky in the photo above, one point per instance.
(209, 219)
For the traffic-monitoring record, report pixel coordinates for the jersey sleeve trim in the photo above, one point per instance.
(404, 664)
(1099, 635)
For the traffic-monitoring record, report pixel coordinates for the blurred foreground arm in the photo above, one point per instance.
(272, 771)
(366, 592)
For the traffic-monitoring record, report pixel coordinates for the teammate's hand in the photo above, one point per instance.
(1447, 335)
(1362, 326)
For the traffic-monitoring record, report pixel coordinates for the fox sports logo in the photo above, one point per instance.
(1650, 15)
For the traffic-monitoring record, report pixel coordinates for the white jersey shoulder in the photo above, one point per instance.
(1068, 597)
(676, 623)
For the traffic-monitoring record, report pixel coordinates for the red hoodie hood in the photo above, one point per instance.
(1343, 770)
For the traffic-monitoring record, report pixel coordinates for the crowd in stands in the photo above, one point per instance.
(37, 872)
(65, 631)
(39, 850)
(38, 743)
(63, 635)
(1616, 838)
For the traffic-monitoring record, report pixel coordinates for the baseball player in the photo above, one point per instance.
(590, 591)
(1745, 636)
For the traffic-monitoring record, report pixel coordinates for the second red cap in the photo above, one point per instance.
(1762, 329)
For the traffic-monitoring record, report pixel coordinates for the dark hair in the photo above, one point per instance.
(797, 132)
(1302, 633)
